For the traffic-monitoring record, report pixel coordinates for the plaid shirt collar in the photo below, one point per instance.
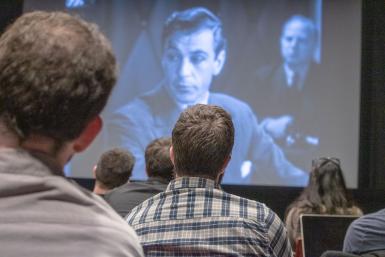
(192, 182)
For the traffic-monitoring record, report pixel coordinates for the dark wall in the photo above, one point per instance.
(9, 11)
(372, 134)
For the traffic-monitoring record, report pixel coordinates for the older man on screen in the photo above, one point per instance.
(194, 52)
(294, 93)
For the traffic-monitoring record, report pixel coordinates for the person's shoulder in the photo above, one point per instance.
(92, 212)
(258, 216)
(369, 219)
(137, 110)
(127, 187)
(256, 211)
(359, 227)
(112, 231)
(145, 211)
(134, 186)
(139, 103)
(228, 102)
(97, 207)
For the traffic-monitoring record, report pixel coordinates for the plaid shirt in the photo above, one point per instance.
(194, 217)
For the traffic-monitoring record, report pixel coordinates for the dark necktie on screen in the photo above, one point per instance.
(295, 81)
(292, 95)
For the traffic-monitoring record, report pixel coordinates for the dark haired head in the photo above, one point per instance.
(326, 191)
(202, 141)
(56, 74)
(157, 157)
(192, 20)
(114, 168)
(327, 179)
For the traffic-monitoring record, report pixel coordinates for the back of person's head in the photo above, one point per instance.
(114, 168)
(56, 74)
(192, 20)
(202, 141)
(157, 157)
(327, 181)
(326, 191)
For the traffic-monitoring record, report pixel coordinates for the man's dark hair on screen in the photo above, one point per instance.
(192, 20)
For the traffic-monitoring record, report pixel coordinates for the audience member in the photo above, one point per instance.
(114, 168)
(56, 73)
(159, 169)
(194, 53)
(366, 234)
(326, 193)
(194, 217)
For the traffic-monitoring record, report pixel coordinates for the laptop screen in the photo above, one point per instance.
(323, 232)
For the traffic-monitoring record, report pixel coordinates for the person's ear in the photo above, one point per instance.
(219, 62)
(222, 171)
(88, 134)
(227, 160)
(172, 155)
(94, 171)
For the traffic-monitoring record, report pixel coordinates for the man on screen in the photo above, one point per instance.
(194, 52)
(291, 90)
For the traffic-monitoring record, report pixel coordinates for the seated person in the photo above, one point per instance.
(194, 216)
(366, 234)
(194, 53)
(293, 86)
(326, 193)
(159, 169)
(113, 169)
(56, 73)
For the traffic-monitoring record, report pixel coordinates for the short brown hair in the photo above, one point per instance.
(56, 74)
(157, 157)
(114, 167)
(202, 139)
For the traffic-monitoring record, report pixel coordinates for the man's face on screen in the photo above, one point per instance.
(297, 43)
(189, 64)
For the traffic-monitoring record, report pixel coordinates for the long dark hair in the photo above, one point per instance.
(326, 191)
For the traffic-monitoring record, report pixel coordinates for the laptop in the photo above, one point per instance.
(323, 232)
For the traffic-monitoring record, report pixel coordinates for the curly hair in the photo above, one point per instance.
(157, 158)
(114, 167)
(56, 74)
